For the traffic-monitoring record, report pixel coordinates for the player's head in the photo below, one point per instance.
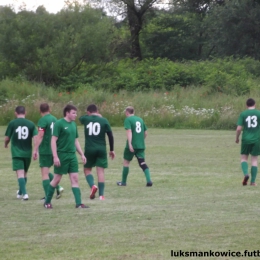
(44, 107)
(250, 102)
(68, 108)
(20, 110)
(129, 110)
(92, 108)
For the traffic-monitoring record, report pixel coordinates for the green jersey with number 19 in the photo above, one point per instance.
(46, 124)
(138, 127)
(250, 120)
(21, 131)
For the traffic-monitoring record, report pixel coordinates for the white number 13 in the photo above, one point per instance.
(251, 121)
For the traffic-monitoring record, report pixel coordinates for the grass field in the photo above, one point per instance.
(197, 203)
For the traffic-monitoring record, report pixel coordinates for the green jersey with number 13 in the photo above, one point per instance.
(250, 120)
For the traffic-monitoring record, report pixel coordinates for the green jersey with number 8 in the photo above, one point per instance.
(250, 120)
(138, 127)
(21, 131)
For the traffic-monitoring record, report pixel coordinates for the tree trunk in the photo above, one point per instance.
(135, 25)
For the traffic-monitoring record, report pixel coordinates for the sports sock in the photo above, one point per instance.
(244, 166)
(77, 195)
(147, 175)
(101, 188)
(90, 180)
(51, 178)
(45, 185)
(22, 186)
(253, 174)
(20, 191)
(125, 174)
(50, 193)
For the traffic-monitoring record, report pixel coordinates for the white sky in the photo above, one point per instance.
(52, 6)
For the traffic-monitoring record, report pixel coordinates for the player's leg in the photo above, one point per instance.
(90, 180)
(101, 164)
(74, 180)
(21, 182)
(140, 155)
(51, 189)
(244, 167)
(128, 156)
(45, 179)
(101, 182)
(245, 150)
(76, 190)
(253, 170)
(59, 189)
(254, 156)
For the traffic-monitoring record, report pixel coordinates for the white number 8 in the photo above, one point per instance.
(138, 128)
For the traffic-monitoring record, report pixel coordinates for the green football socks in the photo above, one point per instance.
(253, 174)
(101, 188)
(22, 186)
(77, 195)
(147, 175)
(45, 185)
(125, 174)
(50, 193)
(244, 166)
(90, 180)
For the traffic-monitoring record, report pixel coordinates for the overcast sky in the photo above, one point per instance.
(52, 6)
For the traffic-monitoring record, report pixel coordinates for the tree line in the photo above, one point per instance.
(45, 47)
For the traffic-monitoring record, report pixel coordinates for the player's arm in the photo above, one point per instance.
(37, 142)
(111, 144)
(129, 139)
(145, 134)
(56, 159)
(79, 150)
(238, 132)
(7, 140)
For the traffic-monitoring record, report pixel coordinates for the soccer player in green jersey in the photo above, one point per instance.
(95, 128)
(20, 132)
(249, 121)
(43, 144)
(136, 132)
(64, 144)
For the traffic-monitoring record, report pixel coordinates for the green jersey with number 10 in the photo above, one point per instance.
(138, 127)
(250, 120)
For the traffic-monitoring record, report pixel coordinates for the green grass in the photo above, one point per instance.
(197, 203)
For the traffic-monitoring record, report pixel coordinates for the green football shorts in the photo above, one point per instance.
(96, 158)
(138, 153)
(46, 160)
(20, 163)
(253, 149)
(68, 163)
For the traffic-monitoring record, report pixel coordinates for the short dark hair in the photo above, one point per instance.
(44, 107)
(250, 102)
(130, 110)
(68, 108)
(92, 108)
(20, 110)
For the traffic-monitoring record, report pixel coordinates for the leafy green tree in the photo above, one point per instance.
(234, 29)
